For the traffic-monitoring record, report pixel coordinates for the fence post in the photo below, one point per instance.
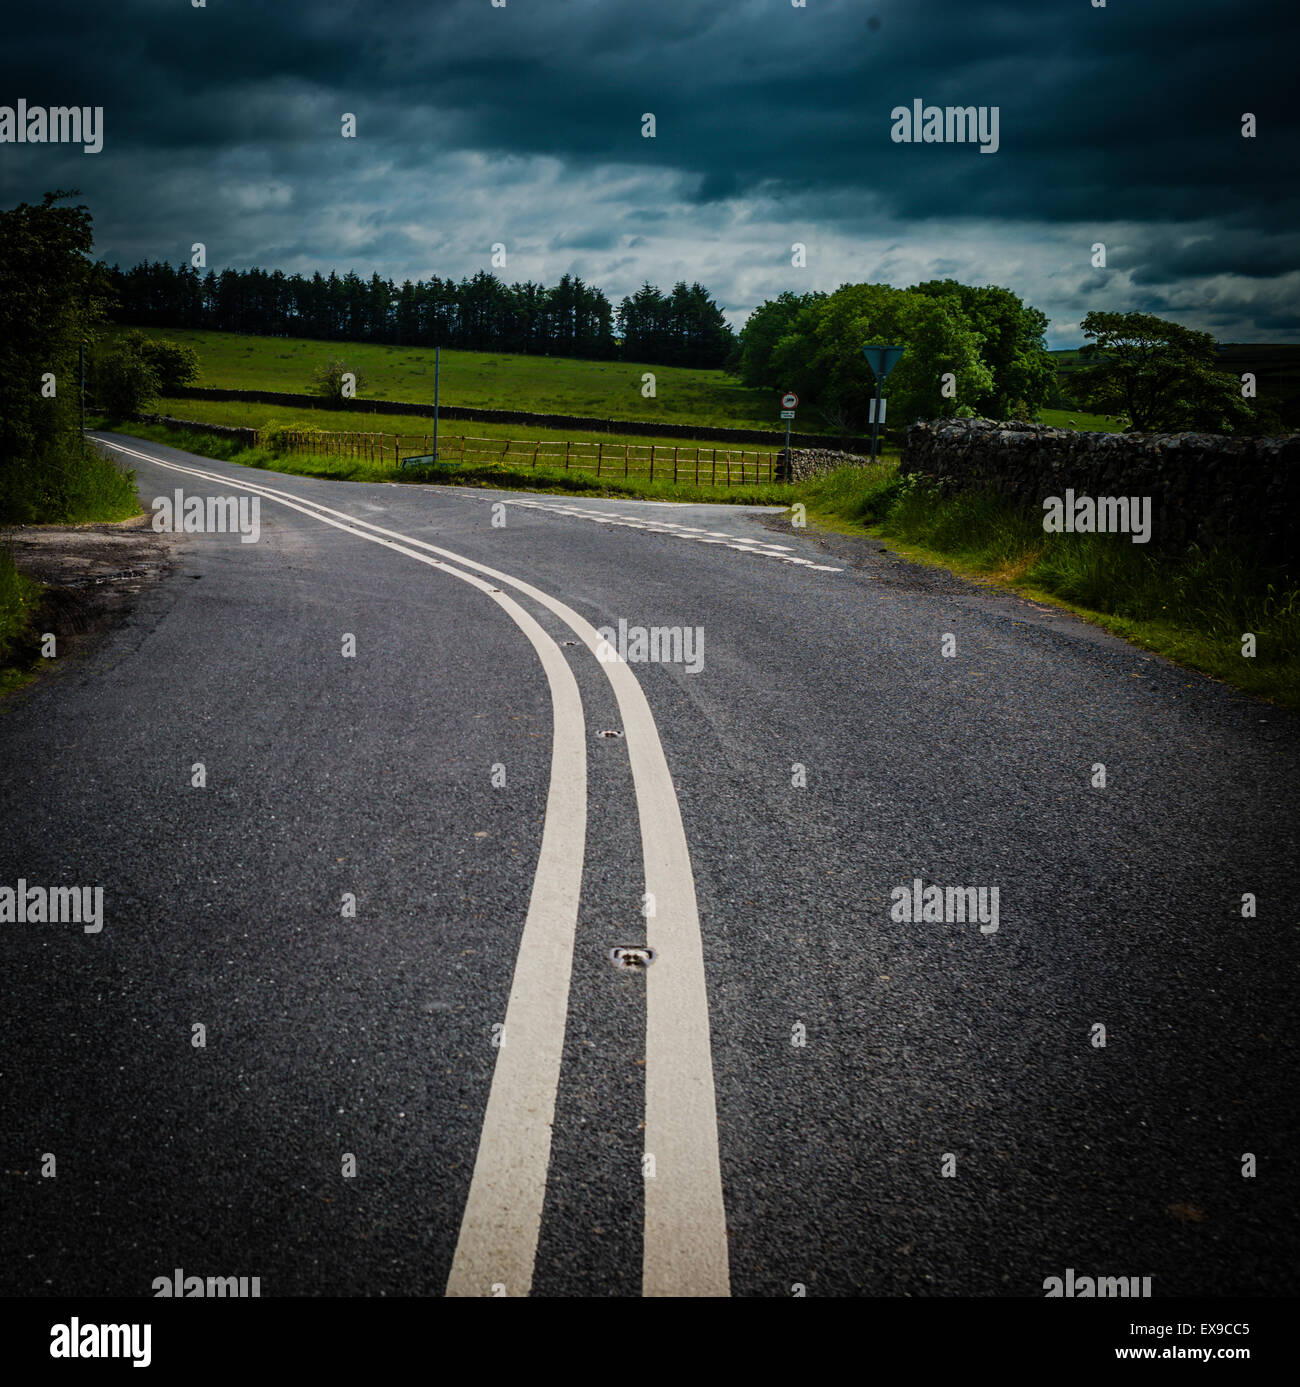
(674, 464)
(652, 462)
(697, 464)
(568, 443)
(714, 481)
(625, 448)
(566, 458)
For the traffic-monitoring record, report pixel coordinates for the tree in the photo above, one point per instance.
(124, 381)
(53, 300)
(1011, 345)
(328, 382)
(1160, 374)
(820, 356)
(765, 327)
(173, 363)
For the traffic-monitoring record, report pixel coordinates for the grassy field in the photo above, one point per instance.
(512, 475)
(412, 426)
(595, 389)
(485, 380)
(1080, 419)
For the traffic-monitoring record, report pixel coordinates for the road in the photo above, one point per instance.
(773, 1101)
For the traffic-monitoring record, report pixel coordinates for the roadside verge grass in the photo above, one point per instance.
(19, 599)
(67, 487)
(1193, 608)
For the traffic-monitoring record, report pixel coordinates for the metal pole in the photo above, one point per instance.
(81, 357)
(788, 468)
(437, 363)
(875, 421)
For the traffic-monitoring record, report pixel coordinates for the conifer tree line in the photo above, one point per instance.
(683, 327)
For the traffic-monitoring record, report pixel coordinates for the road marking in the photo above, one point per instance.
(503, 1213)
(746, 544)
(685, 1247)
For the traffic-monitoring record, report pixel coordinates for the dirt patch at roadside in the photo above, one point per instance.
(92, 575)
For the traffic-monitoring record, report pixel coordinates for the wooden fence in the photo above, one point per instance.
(681, 463)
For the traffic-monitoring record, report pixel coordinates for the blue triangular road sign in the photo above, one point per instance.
(882, 360)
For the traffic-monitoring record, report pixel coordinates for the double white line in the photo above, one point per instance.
(685, 1244)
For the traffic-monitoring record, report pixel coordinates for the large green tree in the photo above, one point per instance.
(1162, 375)
(1012, 346)
(765, 327)
(820, 356)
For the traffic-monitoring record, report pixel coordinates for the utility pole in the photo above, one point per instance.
(437, 362)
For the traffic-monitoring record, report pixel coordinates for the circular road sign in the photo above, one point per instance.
(789, 400)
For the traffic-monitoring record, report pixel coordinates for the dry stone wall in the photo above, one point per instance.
(806, 463)
(1203, 488)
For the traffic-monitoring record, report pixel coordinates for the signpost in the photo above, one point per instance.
(437, 362)
(882, 361)
(789, 403)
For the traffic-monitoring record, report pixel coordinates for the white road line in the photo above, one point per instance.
(685, 1251)
(503, 1213)
(745, 543)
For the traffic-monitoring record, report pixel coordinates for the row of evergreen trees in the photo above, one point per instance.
(682, 328)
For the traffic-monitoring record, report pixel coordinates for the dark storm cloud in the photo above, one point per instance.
(1127, 115)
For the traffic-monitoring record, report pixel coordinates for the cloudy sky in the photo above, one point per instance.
(522, 123)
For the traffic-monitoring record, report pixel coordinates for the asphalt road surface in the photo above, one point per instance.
(454, 1089)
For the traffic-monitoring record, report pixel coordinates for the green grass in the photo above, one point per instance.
(19, 599)
(490, 380)
(1192, 608)
(1080, 419)
(66, 487)
(508, 476)
(412, 428)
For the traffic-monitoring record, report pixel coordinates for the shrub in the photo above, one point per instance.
(328, 380)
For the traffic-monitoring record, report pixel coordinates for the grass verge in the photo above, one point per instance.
(68, 487)
(1193, 608)
(19, 599)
